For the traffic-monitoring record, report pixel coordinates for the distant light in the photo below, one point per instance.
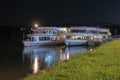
(36, 25)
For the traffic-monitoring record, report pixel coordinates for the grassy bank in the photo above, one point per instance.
(103, 63)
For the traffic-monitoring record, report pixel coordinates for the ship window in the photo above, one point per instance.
(72, 37)
(40, 38)
(51, 32)
(32, 39)
(84, 37)
(78, 31)
(94, 32)
(57, 37)
(88, 31)
(44, 38)
(91, 37)
(87, 37)
(68, 37)
(54, 32)
(47, 38)
(44, 32)
(80, 37)
(36, 38)
(103, 32)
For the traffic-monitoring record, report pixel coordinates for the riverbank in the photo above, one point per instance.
(102, 63)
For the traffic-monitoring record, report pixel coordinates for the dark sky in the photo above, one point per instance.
(59, 11)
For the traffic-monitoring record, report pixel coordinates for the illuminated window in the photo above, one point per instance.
(91, 37)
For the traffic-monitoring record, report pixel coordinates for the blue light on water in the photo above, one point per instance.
(48, 60)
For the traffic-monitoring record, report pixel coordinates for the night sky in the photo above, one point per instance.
(15, 12)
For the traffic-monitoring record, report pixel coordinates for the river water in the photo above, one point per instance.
(18, 62)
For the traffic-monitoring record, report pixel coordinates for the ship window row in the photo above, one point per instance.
(78, 31)
(84, 37)
(84, 31)
(76, 37)
(103, 32)
(91, 31)
(52, 32)
(38, 38)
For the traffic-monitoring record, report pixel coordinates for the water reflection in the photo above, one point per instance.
(40, 57)
(35, 65)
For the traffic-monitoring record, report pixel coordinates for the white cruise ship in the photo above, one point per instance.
(81, 34)
(45, 36)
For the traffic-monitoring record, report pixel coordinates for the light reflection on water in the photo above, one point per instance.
(35, 65)
(41, 57)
